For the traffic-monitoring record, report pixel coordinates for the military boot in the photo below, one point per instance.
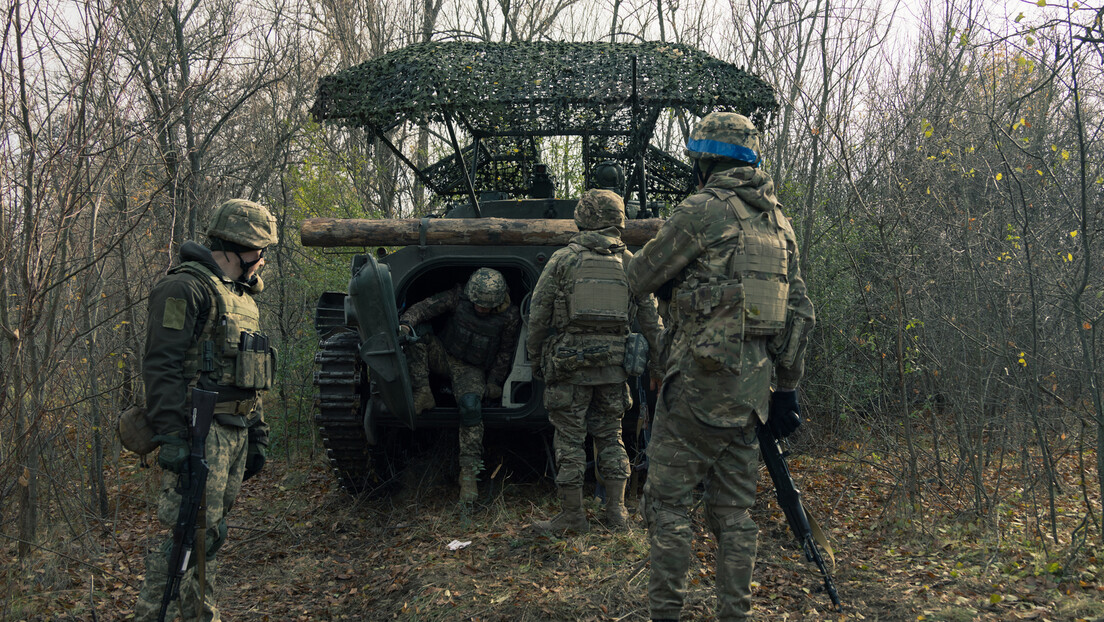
(469, 484)
(617, 519)
(572, 518)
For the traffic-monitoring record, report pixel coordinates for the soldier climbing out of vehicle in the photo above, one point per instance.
(474, 351)
(579, 338)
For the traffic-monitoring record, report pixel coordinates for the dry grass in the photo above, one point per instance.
(301, 549)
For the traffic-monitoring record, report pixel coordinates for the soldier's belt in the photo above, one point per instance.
(240, 407)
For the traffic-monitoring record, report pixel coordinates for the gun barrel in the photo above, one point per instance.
(191, 495)
(812, 552)
(789, 499)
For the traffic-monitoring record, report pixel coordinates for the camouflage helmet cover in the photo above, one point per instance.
(243, 222)
(724, 136)
(487, 288)
(598, 209)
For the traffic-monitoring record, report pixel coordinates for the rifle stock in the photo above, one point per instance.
(191, 495)
(789, 499)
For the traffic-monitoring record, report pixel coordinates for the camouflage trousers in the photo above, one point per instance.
(683, 453)
(575, 410)
(226, 454)
(429, 355)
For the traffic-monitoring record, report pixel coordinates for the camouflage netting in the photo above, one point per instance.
(491, 90)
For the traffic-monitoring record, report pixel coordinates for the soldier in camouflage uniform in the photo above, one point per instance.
(475, 352)
(204, 330)
(579, 318)
(728, 258)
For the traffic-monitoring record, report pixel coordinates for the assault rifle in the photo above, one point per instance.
(192, 499)
(643, 422)
(789, 499)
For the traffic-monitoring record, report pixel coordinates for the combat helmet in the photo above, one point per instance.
(724, 137)
(598, 209)
(487, 288)
(609, 175)
(244, 224)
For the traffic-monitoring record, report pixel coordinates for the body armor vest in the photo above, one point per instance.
(230, 350)
(763, 267)
(740, 294)
(599, 300)
(593, 316)
(471, 337)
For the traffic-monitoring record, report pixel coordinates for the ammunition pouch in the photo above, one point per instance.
(254, 360)
(636, 354)
(575, 352)
(713, 314)
(765, 307)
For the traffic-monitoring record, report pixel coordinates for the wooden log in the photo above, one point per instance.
(331, 232)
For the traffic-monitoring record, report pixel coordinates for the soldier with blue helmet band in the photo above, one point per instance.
(739, 319)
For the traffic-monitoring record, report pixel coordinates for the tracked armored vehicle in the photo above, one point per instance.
(496, 205)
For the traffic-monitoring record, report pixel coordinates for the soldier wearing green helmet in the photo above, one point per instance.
(475, 352)
(204, 331)
(739, 320)
(579, 325)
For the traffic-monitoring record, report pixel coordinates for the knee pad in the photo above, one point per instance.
(471, 409)
(657, 512)
(613, 462)
(724, 520)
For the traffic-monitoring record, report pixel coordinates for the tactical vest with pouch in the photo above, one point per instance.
(599, 298)
(474, 338)
(231, 350)
(595, 319)
(743, 295)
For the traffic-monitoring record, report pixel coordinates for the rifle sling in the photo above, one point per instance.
(818, 535)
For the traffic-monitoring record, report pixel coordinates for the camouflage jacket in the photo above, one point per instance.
(167, 343)
(556, 281)
(446, 302)
(696, 242)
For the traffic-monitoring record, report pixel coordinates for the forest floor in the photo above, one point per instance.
(300, 548)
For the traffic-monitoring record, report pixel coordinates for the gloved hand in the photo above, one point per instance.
(405, 330)
(493, 391)
(173, 455)
(538, 373)
(254, 461)
(785, 414)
